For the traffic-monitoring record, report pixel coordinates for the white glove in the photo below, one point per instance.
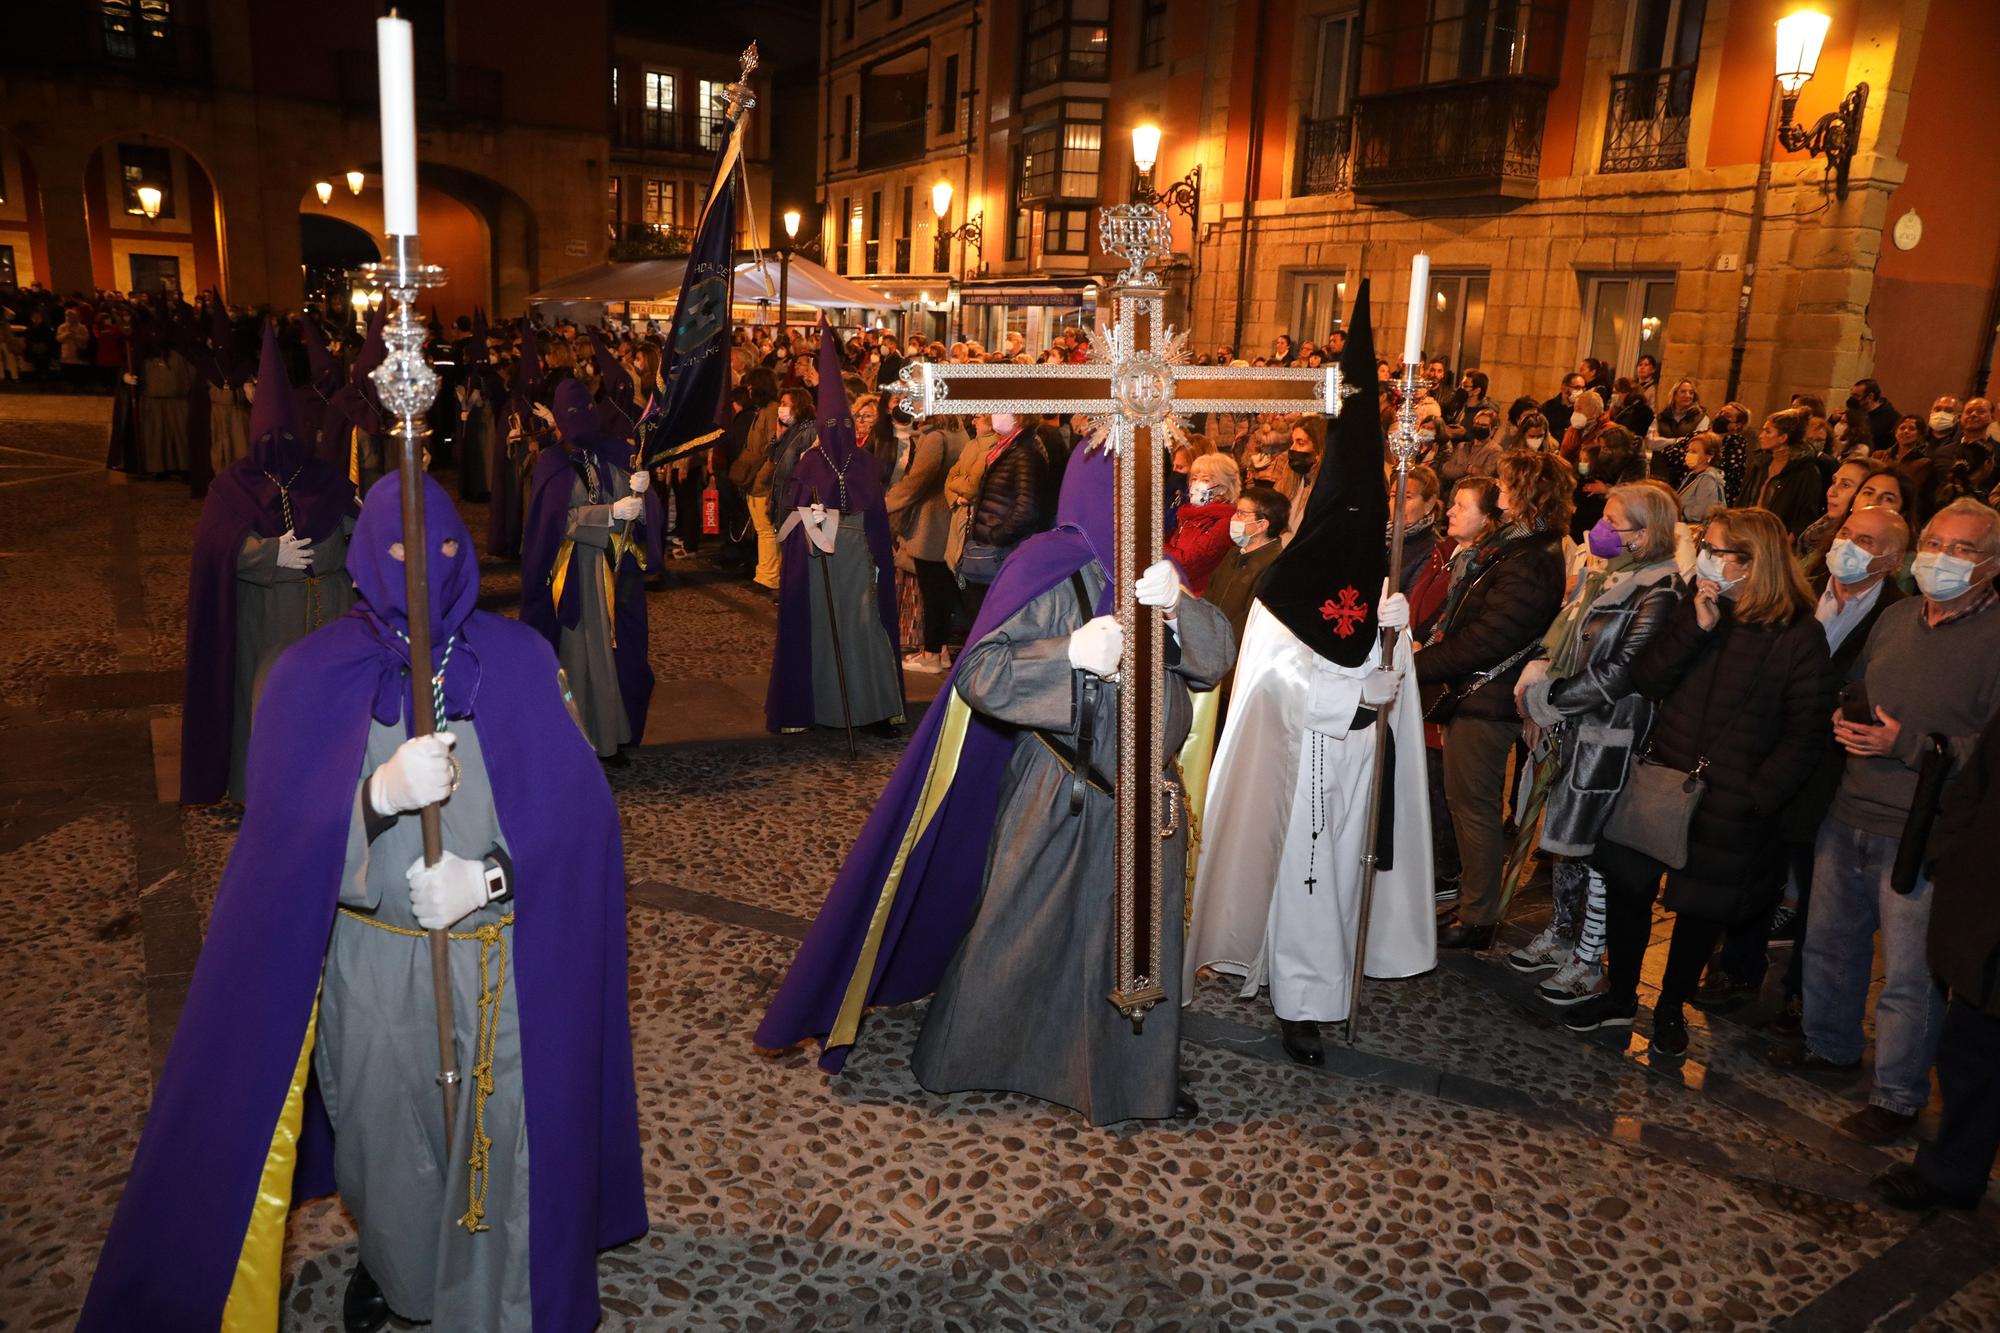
(640, 480)
(442, 894)
(130, 378)
(630, 507)
(294, 551)
(413, 777)
(546, 414)
(1159, 586)
(1097, 646)
(1393, 611)
(1378, 687)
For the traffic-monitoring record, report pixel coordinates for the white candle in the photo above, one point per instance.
(396, 76)
(1420, 292)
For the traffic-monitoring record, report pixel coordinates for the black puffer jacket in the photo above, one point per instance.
(1796, 493)
(1749, 699)
(1504, 608)
(1599, 719)
(1009, 505)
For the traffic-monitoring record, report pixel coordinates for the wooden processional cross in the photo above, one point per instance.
(1134, 389)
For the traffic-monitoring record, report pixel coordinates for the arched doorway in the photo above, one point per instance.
(154, 217)
(455, 235)
(24, 247)
(330, 249)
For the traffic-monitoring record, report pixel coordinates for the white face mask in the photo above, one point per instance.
(1426, 437)
(1536, 441)
(1200, 493)
(1941, 577)
(1943, 421)
(1708, 565)
(1847, 562)
(1003, 423)
(1578, 420)
(1239, 530)
(784, 416)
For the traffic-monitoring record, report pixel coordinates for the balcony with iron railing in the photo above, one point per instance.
(1646, 126)
(1467, 138)
(77, 39)
(1325, 155)
(902, 254)
(648, 130)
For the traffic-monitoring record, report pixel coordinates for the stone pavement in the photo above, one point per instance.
(1466, 1165)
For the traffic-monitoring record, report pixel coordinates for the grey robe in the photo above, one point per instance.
(376, 1057)
(1022, 1005)
(874, 676)
(585, 652)
(164, 384)
(275, 608)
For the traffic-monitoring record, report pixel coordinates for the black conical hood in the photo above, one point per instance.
(1325, 585)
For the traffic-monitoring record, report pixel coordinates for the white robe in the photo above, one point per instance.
(1253, 916)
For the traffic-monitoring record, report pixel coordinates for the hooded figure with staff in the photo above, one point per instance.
(1318, 705)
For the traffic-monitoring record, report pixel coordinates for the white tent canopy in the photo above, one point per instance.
(657, 283)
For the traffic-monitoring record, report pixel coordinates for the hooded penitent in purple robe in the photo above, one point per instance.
(906, 893)
(356, 405)
(322, 382)
(569, 568)
(237, 1129)
(836, 473)
(279, 487)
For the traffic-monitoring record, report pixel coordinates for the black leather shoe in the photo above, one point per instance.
(1877, 1126)
(1799, 1058)
(364, 1309)
(1670, 1034)
(1185, 1106)
(1901, 1187)
(1459, 935)
(1724, 998)
(1302, 1041)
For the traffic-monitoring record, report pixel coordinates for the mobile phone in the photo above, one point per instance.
(1854, 705)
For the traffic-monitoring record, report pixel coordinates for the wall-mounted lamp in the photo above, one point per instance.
(971, 231)
(355, 180)
(324, 189)
(1833, 136)
(149, 200)
(1184, 195)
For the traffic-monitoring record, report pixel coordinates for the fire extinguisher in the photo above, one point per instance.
(711, 512)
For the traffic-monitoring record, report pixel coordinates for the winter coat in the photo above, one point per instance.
(1009, 504)
(751, 471)
(1796, 493)
(1201, 540)
(1597, 717)
(916, 504)
(1802, 816)
(1505, 607)
(1747, 698)
(1964, 944)
(786, 451)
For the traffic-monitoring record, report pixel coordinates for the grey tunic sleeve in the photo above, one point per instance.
(1020, 672)
(1208, 649)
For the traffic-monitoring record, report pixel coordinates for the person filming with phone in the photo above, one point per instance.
(1929, 683)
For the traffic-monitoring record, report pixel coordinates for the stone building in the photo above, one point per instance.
(1582, 173)
(251, 119)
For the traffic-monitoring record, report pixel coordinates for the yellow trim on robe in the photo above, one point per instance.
(937, 783)
(559, 575)
(1196, 756)
(252, 1306)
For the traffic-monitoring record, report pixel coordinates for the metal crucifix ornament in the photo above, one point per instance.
(1135, 390)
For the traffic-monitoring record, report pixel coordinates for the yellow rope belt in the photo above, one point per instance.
(492, 976)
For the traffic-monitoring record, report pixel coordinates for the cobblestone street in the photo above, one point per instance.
(1468, 1165)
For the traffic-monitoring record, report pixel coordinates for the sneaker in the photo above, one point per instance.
(1573, 983)
(1670, 1034)
(1548, 949)
(678, 550)
(1724, 997)
(1784, 927)
(1600, 1011)
(1444, 890)
(930, 664)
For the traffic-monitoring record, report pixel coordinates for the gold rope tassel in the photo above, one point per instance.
(492, 980)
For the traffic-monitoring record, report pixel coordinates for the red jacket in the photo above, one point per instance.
(1201, 540)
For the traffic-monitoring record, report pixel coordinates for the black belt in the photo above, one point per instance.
(1364, 716)
(1067, 754)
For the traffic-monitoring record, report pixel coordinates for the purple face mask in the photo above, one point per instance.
(1604, 540)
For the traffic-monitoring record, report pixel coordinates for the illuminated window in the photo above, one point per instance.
(1062, 147)
(659, 109)
(135, 29)
(146, 164)
(710, 120)
(659, 204)
(1066, 231)
(1065, 40)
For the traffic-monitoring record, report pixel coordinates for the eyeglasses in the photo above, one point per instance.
(1956, 550)
(1723, 552)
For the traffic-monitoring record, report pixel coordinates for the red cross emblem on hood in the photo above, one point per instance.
(1346, 611)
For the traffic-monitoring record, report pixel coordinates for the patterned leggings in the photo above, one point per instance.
(1579, 891)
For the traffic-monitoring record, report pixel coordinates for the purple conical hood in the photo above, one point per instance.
(276, 442)
(531, 361)
(476, 352)
(1089, 485)
(836, 415)
(374, 351)
(325, 371)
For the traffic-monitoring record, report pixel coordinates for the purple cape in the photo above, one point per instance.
(174, 1244)
(946, 868)
(838, 474)
(243, 502)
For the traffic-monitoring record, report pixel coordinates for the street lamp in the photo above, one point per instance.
(324, 189)
(149, 200)
(354, 182)
(1184, 195)
(1835, 135)
(970, 231)
(785, 267)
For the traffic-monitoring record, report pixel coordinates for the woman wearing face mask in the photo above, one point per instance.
(1007, 509)
(796, 432)
(920, 518)
(1793, 488)
(1477, 455)
(1530, 434)
(1202, 537)
(1305, 441)
(1506, 586)
(1630, 409)
(1611, 459)
(1579, 696)
(1587, 420)
(1737, 673)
